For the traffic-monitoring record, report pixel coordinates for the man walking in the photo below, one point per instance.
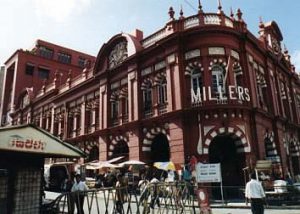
(79, 190)
(255, 194)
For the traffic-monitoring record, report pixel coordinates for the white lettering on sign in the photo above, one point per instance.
(29, 144)
(234, 93)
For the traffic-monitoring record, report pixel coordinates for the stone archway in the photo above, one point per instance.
(93, 154)
(160, 149)
(120, 149)
(224, 150)
(118, 145)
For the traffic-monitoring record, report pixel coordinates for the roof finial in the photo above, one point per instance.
(181, 12)
(261, 23)
(285, 50)
(220, 6)
(231, 13)
(171, 13)
(239, 14)
(199, 5)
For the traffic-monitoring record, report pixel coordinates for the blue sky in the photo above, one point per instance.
(85, 25)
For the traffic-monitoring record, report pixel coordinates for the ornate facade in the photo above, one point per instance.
(202, 85)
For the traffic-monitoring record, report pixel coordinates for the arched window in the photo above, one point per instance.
(217, 78)
(147, 97)
(196, 80)
(162, 91)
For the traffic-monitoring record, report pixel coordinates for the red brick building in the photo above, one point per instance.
(28, 71)
(202, 85)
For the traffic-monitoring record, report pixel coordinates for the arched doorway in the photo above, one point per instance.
(120, 149)
(160, 149)
(94, 154)
(223, 150)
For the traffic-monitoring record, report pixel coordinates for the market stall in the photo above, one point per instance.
(22, 152)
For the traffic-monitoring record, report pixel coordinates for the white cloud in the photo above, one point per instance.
(60, 10)
(296, 60)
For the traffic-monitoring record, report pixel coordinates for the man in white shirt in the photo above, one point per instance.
(255, 194)
(78, 190)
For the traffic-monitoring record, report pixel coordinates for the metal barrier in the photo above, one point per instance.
(160, 198)
(288, 195)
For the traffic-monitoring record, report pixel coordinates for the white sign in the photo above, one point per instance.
(208, 173)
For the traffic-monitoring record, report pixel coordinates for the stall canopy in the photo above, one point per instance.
(31, 139)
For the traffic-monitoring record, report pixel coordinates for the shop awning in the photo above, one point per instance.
(31, 139)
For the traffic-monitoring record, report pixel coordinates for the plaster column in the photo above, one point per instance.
(60, 121)
(169, 89)
(177, 89)
(47, 121)
(93, 119)
(133, 144)
(41, 120)
(52, 121)
(74, 124)
(82, 121)
(102, 148)
(103, 107)
(132, 97)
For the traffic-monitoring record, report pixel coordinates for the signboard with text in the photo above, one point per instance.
(208, 173)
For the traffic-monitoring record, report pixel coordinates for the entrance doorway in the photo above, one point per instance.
(121, 149)
(223, 150)
(160, 149)
(94, 154)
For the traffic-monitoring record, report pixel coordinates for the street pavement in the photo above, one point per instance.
(248, 211)
(233, 208)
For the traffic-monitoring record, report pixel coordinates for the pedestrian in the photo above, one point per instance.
(78, 190)
(155, 195)
(120, 193)
(255, 194)
(68, 188)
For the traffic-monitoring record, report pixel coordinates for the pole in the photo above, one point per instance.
(222, 194)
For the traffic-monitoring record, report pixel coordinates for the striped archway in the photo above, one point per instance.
(115, 141)
(191, 67)
(237, 134)
(270, 148)
(150, 135)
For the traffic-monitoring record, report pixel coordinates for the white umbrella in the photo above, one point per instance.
(100, 165)
(132, 162)
(115, 159)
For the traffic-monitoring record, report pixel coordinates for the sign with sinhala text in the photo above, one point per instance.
(208, 173)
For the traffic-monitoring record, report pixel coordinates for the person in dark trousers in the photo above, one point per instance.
(120, 193)
(155, 196)
(78, 190)
(255, 194)
(67, 189)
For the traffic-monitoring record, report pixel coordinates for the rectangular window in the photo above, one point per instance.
(147, 99)
(43, 73)
(81, 62)
(114, 109)
(64, 58)
(46, 52)
(217, 81)
(29, 69)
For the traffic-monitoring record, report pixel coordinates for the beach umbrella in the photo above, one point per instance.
(169, 165)
(100, 165)
(131, 163)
